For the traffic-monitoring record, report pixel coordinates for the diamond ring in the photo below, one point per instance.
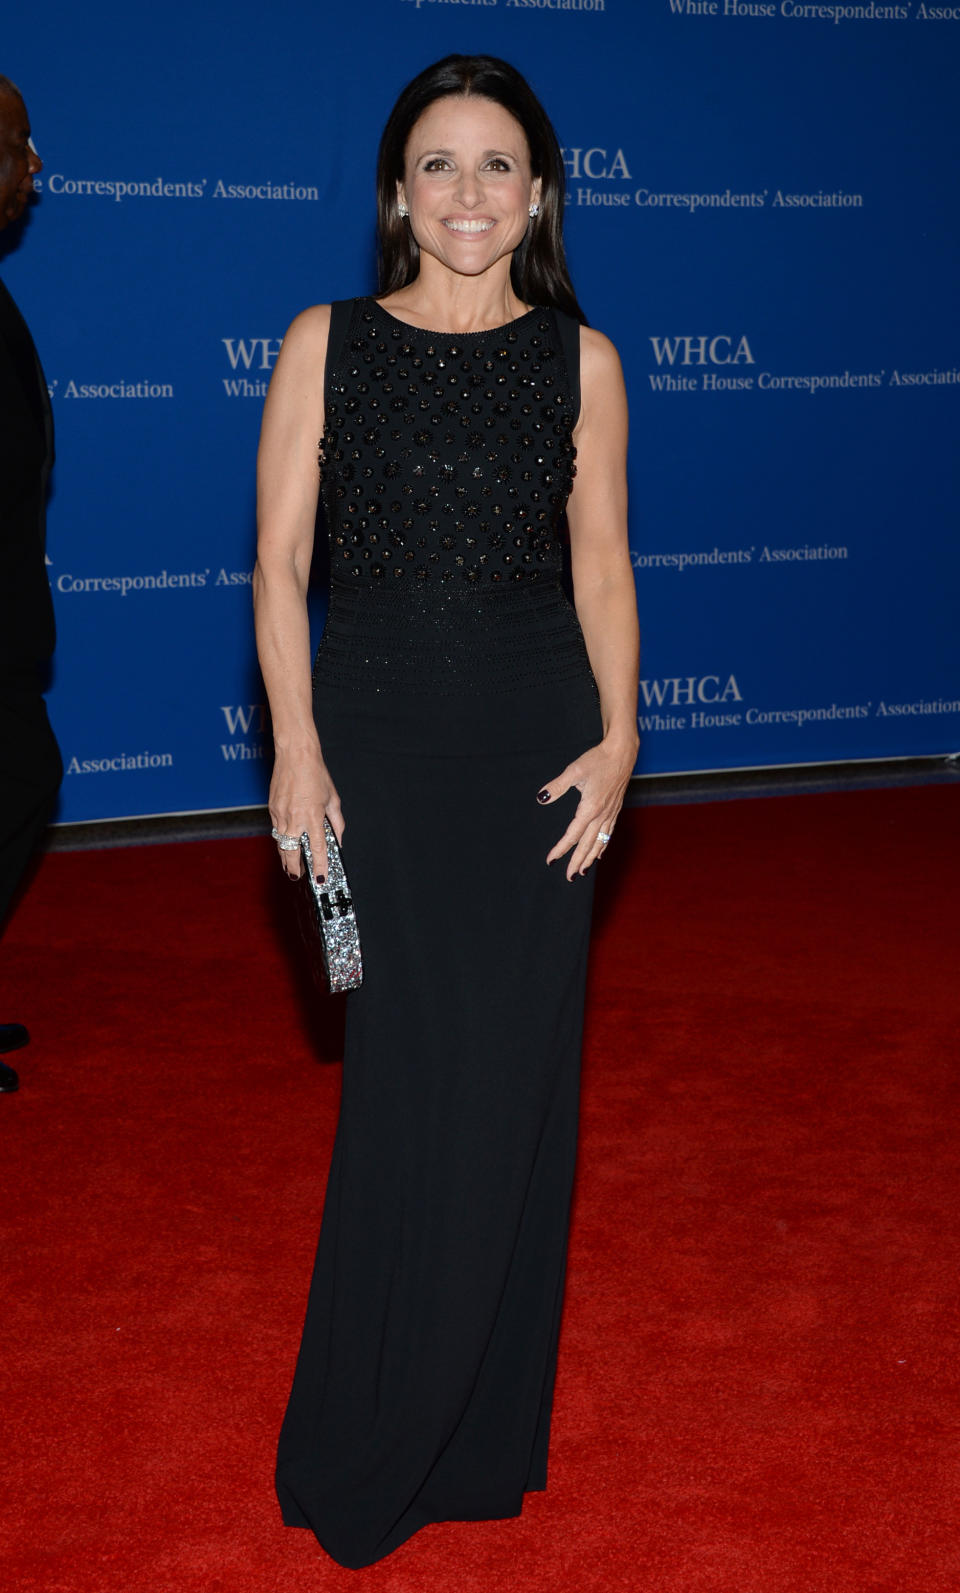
(604, 837)
(286, 843)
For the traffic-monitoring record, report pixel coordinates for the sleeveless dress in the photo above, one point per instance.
(451, 682)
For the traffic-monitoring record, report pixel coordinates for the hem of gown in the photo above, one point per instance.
(416, 1521)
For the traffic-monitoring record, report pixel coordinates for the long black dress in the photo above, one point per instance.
(452, 681)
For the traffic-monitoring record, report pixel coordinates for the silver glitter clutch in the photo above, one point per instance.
(327, 912)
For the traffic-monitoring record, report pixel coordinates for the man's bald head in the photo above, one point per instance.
(19, 161)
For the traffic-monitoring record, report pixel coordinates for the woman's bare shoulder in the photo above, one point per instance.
(599, 359)
(308, 331)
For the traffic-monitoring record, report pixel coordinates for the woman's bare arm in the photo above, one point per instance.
(605, 598)
(301, 791)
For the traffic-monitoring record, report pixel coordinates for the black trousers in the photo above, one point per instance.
(30, 773)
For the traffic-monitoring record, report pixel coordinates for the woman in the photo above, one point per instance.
(470, 736)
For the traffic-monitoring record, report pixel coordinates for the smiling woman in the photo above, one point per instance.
(467, 729)
(521, 167)
(470, 205)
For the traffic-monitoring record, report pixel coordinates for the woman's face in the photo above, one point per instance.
(467, 183)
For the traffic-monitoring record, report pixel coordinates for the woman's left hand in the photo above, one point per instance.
(601, 776)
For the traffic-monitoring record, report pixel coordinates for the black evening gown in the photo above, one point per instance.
(452, 681)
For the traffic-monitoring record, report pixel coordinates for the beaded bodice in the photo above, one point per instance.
(447, 461)
(446, 465)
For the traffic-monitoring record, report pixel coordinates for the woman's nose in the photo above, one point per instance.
(469, 189)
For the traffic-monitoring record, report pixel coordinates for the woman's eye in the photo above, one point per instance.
(435, 163)
(500, 164)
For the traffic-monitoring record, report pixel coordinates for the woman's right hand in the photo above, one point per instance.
(302, 794)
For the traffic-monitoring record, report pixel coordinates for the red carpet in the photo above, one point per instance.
(758, 1385)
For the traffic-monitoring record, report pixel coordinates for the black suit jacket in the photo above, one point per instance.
(26, 455)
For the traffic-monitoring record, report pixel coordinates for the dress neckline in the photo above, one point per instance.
(426, 331)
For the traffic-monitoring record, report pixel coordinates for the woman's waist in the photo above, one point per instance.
(439, 636)
(547, 717)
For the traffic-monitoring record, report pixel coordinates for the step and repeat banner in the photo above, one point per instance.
(762, 214)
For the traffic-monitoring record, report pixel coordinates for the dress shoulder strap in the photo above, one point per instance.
(341, 315)
(569, 330)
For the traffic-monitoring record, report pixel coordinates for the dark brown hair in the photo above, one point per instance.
(538, 271)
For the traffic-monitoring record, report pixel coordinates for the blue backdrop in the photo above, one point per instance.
(762, 215)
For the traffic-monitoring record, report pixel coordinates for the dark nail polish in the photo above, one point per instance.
(321, 879)
(543, 796)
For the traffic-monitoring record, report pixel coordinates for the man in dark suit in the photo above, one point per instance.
(30, 765)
